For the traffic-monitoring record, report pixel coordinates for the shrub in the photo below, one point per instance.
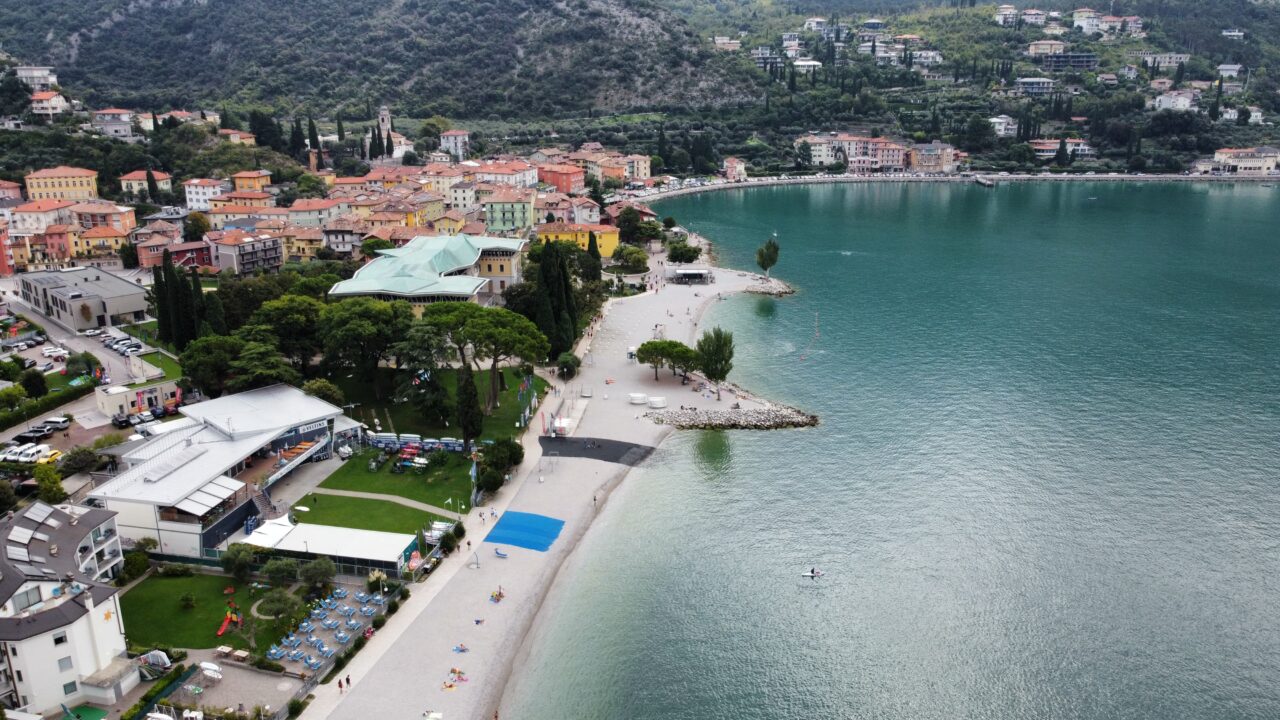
(188, 601)
(135, 565)
(358, 644)
(489, 481)
(174, 570)
(459, 531)
(378, 622)
(393, 607)
(296, 706)
(146, 544)
(448, 542)
(263, 663)
(567, 365)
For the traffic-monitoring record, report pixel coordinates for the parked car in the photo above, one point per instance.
(53, 350)
(39, 432)
(132, 350)
(21, 346)
(37, 340)
(27, 363)
(134, 420)
(120, 421)
(145, 416)
(159, 411)
(15, 452)
(57, 422)
(52, 457)
(92, 332)
(34, 453)
(45, 367)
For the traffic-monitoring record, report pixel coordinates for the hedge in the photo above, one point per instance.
(33, 408)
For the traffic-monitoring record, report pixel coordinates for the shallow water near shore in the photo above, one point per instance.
(1044, 485)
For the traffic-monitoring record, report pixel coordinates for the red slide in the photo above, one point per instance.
(225, 622)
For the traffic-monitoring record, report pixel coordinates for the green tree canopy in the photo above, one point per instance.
(325, 390)
(207, 363)
(296, 322)
(715, 355)
(260, 365)
(359, 332)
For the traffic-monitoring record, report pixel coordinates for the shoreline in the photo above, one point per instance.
(997, 179)
(757, 284)
(560, 479)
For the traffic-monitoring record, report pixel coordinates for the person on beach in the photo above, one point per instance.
(339, 686)
(348, 682)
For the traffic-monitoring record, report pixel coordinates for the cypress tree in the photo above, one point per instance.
(390, 147)
(197, 304)
(213, 314)
(342, 133)
(153, 189)
(160, 299)
(297, 142)
(312, 135)
(593, 247)
(470, 417)
(184, 303)
(375, 143)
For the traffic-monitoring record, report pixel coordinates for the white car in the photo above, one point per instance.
(53, 350)
(92, 332)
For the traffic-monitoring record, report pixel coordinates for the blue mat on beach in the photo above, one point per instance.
(525, 530)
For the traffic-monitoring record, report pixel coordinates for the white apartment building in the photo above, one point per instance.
(61, 635)
(1004, 126)
(36, 77)
(200, 191)
(457, 143)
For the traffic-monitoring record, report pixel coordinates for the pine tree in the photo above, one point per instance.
(342, 133)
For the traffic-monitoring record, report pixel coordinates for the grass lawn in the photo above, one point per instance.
(405, 419)
(172, 370)
(433, 487)
(363, 514)
(146, 332)
(154, 615)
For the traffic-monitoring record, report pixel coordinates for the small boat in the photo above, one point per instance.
(813, 574)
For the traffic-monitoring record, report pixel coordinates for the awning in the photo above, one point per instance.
(210, 495)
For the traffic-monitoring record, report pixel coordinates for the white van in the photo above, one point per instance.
(34, 453)
(58, 422)
(15, 452)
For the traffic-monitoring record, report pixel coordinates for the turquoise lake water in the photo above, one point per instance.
(1044, 486)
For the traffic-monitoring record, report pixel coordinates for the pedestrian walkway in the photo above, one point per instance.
(389, 498)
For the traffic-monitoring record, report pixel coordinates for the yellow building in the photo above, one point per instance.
(62, 183)
(135, 183)
(580, 233)
(302, 243)
(101, 241)
(450, 223)
(252, 180)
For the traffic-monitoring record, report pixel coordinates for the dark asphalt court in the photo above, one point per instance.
(614, 451)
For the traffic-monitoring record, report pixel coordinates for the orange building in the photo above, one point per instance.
(567, 179)
(251, 180)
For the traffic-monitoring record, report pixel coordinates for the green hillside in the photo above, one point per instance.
(460, 58)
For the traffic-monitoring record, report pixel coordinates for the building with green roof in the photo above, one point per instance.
(439, 268)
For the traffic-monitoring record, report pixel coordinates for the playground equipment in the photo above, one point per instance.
(232, 616)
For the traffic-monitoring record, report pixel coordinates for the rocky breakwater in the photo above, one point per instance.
(769, 286)
(767, 417)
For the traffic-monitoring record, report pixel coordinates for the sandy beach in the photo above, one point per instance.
(403, 670)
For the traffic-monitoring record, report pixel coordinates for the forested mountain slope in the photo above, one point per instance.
(462, 58)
